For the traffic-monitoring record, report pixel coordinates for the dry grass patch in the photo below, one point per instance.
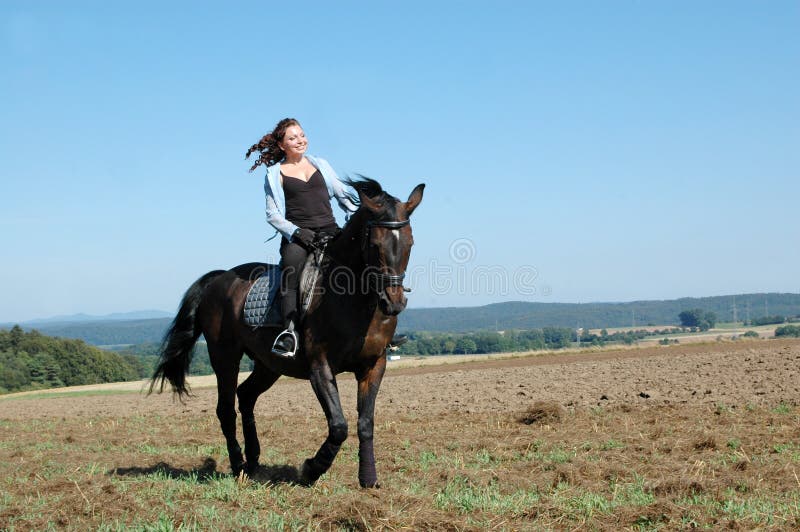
(542, 413)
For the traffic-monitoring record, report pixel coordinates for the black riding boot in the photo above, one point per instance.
(286, 343)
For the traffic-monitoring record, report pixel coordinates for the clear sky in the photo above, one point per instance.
(572, 151)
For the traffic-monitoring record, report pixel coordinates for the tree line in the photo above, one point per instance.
(699, 318)
(531, 315)
(32, 361)
(427, 343)
(147, 354)
(788, 331)
(773, 320)
(433, 343)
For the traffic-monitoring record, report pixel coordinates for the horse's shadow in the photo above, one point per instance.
(262, 474)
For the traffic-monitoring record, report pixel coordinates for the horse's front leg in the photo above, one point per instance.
(324, 383)
(369, 381)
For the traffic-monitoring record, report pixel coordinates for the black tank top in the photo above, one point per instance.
(307, 203)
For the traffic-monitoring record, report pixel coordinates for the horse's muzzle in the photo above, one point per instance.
(392, 300)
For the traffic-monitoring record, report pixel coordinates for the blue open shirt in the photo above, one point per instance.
(276, 201)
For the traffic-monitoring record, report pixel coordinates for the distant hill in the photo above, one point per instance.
(523, 315)
(116, 316)
(502, 316)
(110, 332)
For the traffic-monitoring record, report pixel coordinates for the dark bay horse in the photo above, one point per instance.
(348, 325)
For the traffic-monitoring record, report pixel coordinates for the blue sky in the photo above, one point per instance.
(572, 151)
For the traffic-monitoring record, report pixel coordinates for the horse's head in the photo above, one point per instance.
(386, 241)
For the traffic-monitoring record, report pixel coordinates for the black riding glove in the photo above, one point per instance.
(304, 237)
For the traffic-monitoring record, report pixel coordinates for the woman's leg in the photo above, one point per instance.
(293, 257)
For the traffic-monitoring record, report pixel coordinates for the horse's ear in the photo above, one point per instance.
(414, 198)
(369, 203)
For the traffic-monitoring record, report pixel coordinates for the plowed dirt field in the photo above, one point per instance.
(652, 438)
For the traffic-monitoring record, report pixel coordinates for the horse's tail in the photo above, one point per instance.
(177, 347)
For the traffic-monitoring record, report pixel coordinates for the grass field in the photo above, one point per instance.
(605, 468)
(526, 464)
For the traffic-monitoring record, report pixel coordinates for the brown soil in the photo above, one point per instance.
(757, 372)
(696, 427)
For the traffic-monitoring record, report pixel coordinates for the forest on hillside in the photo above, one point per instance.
(511, 341)
(33, 361)
(747, 309)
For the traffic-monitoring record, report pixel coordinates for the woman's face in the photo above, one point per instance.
(294, 141)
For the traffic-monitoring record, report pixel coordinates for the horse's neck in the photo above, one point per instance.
(345, 253)
(358, 305)
(345, 250)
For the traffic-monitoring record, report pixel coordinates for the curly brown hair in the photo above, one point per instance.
(268, 146)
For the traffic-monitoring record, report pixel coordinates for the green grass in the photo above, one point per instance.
(427, 459)
(758, 510)
(601, 469)
(611, 445)
(582, 505)
(462, 495)
(782, 408)
(729, 325)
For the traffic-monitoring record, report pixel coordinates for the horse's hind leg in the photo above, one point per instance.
(225, 361)
(257, 383)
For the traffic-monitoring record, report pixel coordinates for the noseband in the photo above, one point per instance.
(380, 280)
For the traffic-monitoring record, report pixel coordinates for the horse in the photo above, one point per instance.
(349, 323)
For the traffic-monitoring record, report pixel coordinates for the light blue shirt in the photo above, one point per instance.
(276, 201)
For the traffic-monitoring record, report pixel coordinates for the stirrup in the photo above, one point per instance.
(279, 350)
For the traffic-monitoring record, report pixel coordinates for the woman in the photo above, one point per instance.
(299, 188)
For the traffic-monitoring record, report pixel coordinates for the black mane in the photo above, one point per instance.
(370, 188)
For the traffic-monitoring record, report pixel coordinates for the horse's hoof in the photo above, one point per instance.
(238, 467)
(250, 467)
(307, 476)
(370, 485)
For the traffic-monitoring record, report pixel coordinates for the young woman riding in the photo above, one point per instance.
(298, 190)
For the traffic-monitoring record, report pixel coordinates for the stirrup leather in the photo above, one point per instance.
(279, 350)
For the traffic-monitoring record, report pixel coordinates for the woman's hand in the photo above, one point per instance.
(304, 237)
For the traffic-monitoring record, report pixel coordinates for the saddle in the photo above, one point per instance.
(262, 306)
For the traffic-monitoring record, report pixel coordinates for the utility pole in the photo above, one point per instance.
(734, 310)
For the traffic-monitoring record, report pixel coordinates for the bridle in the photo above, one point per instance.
(380, 280)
